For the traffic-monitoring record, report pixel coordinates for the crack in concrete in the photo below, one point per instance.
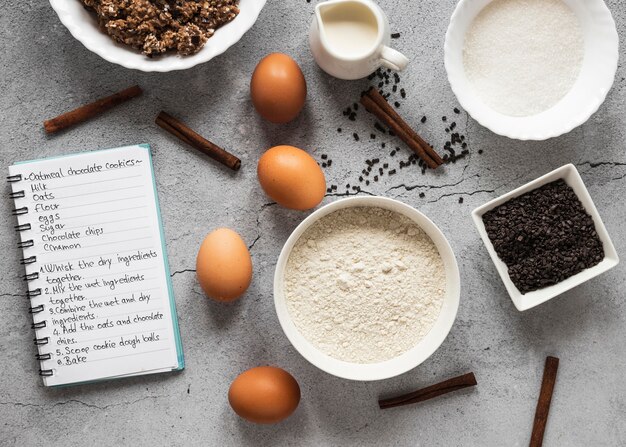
(251, 246)
(478, 191)
(17, 295)
(348, 193)
(429, 187)
(182, 271)
(258, 223)
(79, 402)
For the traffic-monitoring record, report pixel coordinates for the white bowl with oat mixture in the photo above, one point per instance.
(83, 25)
(583, 93)
(410, 225)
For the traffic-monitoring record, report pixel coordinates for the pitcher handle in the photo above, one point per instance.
(393, 59)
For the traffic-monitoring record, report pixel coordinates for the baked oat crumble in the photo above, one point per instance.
(157, 26)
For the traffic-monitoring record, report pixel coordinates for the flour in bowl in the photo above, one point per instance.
(523, 56)
(364, 284)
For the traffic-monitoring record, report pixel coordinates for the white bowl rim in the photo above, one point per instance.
(169, 62)
(410, 359)
(517, 131)
(570, 174)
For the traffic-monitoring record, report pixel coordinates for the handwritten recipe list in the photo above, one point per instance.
(98, 277)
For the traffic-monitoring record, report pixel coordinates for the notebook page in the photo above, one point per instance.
(101, 263)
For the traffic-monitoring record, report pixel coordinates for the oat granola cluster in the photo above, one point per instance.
(157, 26)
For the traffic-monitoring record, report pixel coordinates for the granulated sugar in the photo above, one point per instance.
(523, 56)
(364, 285)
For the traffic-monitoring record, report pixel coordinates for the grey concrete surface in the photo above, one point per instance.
(45, 71)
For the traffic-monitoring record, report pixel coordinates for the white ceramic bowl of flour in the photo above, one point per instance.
(423, 348)
(600, 45)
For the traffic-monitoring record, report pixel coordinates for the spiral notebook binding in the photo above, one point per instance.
(31, 276)
(33, 293)
(36, 309)
(41, 341)
(26, 244)
(29, 260)
(22, 227)
(20, 211)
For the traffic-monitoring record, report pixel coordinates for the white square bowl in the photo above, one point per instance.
(522, 302)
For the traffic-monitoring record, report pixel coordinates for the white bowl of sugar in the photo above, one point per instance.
(531, 69)
(366, 288)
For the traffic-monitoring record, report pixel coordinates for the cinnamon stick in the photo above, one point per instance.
(184, 133)
(382, 102)
(373, 108)
(447, 386)
(394, 121)
(90, 110)
(543, 403)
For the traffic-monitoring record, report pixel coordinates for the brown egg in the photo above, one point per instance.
(223, 265)
(264, 395)
(291, 177)
(278, 88)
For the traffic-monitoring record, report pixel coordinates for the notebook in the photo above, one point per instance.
(96, 266)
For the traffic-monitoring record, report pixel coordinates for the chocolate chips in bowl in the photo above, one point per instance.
(545, 237)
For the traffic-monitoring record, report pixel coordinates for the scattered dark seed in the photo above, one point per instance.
(456, 110)
(444, 118)
(356, 136)
(460, 199)
(422, 195)
(395, 35)
(379, 127)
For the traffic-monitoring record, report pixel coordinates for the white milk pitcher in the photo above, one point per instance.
(349, 39)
